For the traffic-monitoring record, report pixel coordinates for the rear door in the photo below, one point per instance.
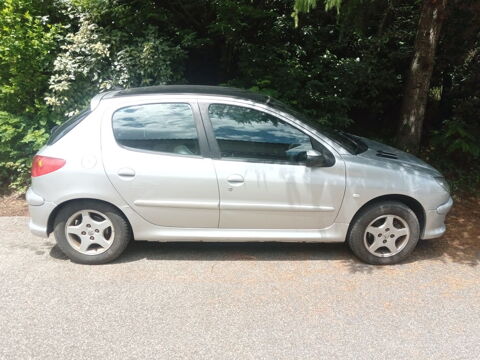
(154, 155)
(263, 179)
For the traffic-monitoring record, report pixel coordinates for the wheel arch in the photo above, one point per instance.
(409, 201)
(53, 214)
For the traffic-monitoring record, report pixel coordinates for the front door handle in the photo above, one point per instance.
(126, 172)
(235, 180)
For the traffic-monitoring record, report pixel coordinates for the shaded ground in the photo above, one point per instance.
(461, 243)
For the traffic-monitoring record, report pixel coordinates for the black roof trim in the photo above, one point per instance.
(191, 89)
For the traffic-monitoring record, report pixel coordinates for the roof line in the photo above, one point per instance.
(186, 89)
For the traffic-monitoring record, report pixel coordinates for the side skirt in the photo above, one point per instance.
(337, 232)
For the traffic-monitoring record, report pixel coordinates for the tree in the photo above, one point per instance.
(418, 84)
(421, 68)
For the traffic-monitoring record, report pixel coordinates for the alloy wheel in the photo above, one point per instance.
(89, 232)
(386, 235)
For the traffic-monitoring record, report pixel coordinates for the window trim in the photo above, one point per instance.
(215, 148)
(201, 136)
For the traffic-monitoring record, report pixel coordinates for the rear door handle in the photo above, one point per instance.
(126, 172)
(235, 180)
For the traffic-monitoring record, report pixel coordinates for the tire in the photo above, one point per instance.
(91, 232)
(384, 233)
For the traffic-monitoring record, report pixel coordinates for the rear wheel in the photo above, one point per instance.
(384, 233)
(90, 232)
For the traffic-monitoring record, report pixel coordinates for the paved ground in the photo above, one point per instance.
(237, 301)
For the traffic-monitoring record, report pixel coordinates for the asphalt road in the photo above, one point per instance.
(236, 301)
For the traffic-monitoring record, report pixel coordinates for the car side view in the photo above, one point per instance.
(204, 163)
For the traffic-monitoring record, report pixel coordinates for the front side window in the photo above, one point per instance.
(248, 134)
(168, 128)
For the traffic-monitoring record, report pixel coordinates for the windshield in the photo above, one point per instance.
(351, 143)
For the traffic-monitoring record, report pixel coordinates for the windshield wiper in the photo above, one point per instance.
(358, 144)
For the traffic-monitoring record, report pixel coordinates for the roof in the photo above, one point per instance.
(190, 89)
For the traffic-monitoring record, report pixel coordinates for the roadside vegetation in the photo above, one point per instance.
(364, 66)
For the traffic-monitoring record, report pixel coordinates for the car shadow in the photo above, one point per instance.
(258, 251)
(460, 245)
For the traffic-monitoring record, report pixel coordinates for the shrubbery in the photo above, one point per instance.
(93, 59)
(347, 72)
(27, 50)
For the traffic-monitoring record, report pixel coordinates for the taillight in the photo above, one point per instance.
(44, 165)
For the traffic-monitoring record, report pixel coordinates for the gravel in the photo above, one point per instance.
(235, 300)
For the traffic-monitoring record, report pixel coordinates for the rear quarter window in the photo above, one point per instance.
(61, 130)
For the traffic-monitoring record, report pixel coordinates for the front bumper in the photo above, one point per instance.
(40, 211)
(435, 221)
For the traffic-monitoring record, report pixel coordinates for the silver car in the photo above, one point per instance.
(201, 163)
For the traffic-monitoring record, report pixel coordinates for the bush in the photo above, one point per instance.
(27, 50)
(456, 145)
(20, 138)
(95, 59)
(27, 43)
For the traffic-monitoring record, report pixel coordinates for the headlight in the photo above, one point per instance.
(443, 183)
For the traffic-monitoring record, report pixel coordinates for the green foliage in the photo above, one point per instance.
(320, 68)
(94, 59)
(26, 44)
(345, 68)
(20, 138)
(458, 137)
(327, 86)
(304, 6)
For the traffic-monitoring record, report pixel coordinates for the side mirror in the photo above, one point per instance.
(317, 159)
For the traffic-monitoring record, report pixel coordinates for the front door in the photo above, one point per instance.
(152, 154)
(264, 182)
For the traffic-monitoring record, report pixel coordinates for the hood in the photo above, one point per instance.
(382, 152)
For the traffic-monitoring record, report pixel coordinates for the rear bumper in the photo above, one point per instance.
(40, 211)
(435, 221)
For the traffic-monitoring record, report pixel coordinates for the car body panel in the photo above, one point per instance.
(271, 195)
(165, 189)
(277, 196)
(389, 155)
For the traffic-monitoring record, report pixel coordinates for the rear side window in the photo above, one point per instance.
(60, 131)
(166, 128)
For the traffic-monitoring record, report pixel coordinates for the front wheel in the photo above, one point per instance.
(384, 233)
(91, 232)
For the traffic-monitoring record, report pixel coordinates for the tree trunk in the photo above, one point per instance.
(421, 68)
